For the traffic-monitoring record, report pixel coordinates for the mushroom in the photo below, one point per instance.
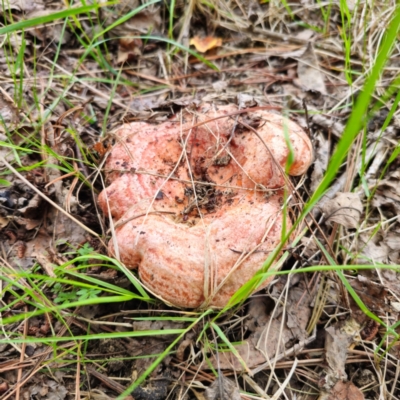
(197, 200)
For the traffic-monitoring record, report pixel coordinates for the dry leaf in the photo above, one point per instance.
(9, 118)
(305, 34)
(50, 32)
(328, 123)
(60, 226)
(345, 209)
(205, 43)
(292, 52)
(392, 240)
(28, 223)
(32, 207)
(101, 149)
(246, 350)
(391, 280)
(222, 389)
(3, 222)
(269, 338)
(21, 5)
(29, 256)
(345, 391)
(220, 86)
(310, 246)
(149, 20)
(245, 100)
(388, 193)
(46, 264)
(373, 295)
(49, 390)
(309, 73)
(336, 344)
(128, 48)
(372, 250)
(395, 306)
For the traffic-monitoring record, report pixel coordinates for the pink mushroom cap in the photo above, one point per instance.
(197, 200)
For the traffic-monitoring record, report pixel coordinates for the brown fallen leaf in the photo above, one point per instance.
(101, 149)
(336, 345)
(391, 280)
(3, 222)
(146, 21)
(270, 338)
(345, 209)
(9, 118)
(32, 207)
(309, 72)
(345, 391)
(222, 389)
(128, 48)
(203, 44)
(21, 5)
(392, 240)
(45, 261)
(48, 390)
(373, 295)
(337, 342)
(28, 223)
(27, 254)
(329, 123)
(366, 378)
(388, 193)
(372, 249)
(53, 32)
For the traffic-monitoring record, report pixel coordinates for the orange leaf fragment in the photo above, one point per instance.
(100, 148)
(204, 44)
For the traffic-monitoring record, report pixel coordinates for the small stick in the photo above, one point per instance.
(117, 387)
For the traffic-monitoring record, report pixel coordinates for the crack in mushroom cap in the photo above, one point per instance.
(197, 200)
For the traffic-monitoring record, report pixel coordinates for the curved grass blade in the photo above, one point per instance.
(17, 26)
(357, 119)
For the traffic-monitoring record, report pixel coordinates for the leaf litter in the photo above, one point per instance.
(345, 209)
(266, 58)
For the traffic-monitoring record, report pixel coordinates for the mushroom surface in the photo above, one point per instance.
(197, 200)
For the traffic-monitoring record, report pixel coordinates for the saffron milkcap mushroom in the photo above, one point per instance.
(197, 200)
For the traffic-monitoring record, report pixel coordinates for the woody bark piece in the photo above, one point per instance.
(197, 200)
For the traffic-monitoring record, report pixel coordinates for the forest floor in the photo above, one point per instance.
(75, 322)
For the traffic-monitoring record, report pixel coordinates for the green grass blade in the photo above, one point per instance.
(116, 263)
(231, 347)
(80, 303)
(98, 336)
(125, 18)
(357, 117)
(17, 26)
(158, 360)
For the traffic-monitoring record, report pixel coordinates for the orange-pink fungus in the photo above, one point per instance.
(197, 200)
